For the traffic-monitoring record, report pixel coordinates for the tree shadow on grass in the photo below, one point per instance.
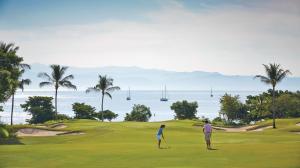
(10, 141)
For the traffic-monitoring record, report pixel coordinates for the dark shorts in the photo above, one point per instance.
(207, 136)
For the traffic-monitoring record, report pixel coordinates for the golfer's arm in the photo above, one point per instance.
(162, 135)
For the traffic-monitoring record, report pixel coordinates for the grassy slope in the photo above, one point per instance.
(131, 144)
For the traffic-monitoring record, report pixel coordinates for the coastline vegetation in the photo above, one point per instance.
(272, 104)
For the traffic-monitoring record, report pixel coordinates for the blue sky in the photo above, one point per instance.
(228, 36)
(18, 14)
(32, 13)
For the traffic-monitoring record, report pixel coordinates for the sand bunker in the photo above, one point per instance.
(240, 129)
(298, 124)
(35, 132)
(243, 129)
(58, 126)
(261, 129)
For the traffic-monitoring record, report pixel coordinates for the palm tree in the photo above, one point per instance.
(57, 79)
(8, 48)
(105, 87)
(274, 75)
(12, 66)
(20, 84)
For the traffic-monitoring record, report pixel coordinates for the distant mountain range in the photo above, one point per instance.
(153, 79)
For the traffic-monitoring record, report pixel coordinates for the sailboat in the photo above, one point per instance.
(211, 94)
(164, 95)
(128, 96)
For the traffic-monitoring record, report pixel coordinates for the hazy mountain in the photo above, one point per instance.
(153, 79)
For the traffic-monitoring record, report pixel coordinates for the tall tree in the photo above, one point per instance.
(19, 84)
(57, 79)
(11, 68)
(105, 87)
(274, 75)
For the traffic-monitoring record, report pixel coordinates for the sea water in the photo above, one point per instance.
(207, 106)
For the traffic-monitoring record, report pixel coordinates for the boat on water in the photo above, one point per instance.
(128, 95)
(164, 95)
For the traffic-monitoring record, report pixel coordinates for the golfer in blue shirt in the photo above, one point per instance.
(160, 134)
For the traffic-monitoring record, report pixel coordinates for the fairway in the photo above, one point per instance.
(133, 144)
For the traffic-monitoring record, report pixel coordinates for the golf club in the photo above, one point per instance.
(168, 146)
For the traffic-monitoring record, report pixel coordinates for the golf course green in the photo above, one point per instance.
(133, 144)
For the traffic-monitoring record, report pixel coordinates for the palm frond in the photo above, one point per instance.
(24, 82)
(22, 71)
(25, 66)
(69, 77)
(67, 84)
(45, 76)
(108, 94)
(8, 48)
(63, 70)
(42, 84)
(274, 74)
(282, 75)
(114, 88)
(56, 74)
(92, 89)
(263, 79)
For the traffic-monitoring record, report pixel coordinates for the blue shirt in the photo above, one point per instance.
(160, 131)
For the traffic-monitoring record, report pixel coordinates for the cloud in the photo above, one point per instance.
(232, 39)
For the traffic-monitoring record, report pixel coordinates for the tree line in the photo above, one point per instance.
(269, 104)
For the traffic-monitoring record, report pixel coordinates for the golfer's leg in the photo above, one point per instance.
(159, 143)
(207, 145)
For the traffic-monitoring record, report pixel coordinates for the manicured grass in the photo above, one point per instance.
(132, 144)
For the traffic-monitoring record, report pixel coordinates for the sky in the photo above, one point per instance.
(233, 37)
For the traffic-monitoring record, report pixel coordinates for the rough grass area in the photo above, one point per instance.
(132, 144)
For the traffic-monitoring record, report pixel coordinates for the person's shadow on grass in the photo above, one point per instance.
(164, 148)
(213, 149)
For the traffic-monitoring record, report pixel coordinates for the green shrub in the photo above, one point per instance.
(40, 108)
(84, 111)
(232, 108)
(217, 119)
(108, 115)
(287, 105)
(62, 117)
(184, 109)
(139, 113)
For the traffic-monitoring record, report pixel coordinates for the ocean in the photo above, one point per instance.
(207, 106)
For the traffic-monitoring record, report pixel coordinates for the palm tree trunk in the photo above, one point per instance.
(273, 108)
(102, 107)
(55, 103)
(12, 108)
